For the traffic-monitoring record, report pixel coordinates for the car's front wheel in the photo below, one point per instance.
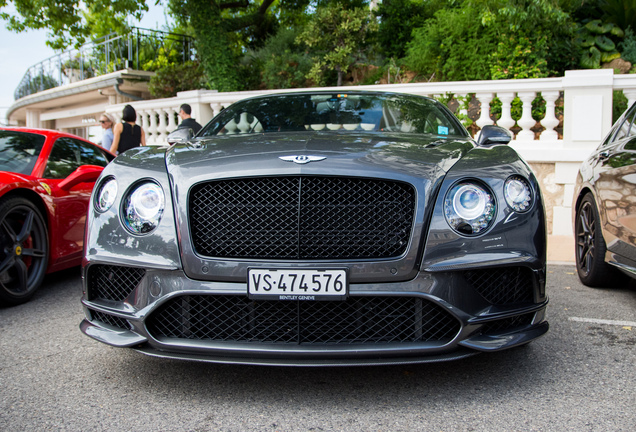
(24, 250)
(590, 247)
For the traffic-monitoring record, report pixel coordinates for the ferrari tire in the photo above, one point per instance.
(590, 247)
(24, 250)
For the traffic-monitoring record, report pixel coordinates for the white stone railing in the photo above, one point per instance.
(587, 117)
(159, 117)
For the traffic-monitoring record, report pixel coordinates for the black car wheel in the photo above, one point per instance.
(590, 247)
(24, 252)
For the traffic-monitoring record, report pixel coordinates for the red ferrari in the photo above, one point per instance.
(46, 179)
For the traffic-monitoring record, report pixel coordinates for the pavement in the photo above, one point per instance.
(561, 249)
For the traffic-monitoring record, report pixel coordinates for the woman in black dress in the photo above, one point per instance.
(127, 134)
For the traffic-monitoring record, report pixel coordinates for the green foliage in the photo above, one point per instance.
(283, 63)
(620, 12)
(69, 21)
(485, 39)
(398, 18)
(174, 78)
(519, 58)
(336, 36)
(453, 46)
(596, 40)
(628, 46)
(619, 105)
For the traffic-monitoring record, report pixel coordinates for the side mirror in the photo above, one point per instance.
(492, 135)
(180, 136)
(85, 173)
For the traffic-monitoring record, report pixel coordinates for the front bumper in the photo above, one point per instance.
(379, 324)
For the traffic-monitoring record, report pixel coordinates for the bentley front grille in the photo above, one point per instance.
(301, 218)
(357, 320)
(112, 282)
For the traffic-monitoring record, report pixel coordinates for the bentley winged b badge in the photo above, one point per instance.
(302, 159)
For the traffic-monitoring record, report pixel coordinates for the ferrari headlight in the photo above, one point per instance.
(469, 208)
(518, 194)
(106, 195)
(143, 208)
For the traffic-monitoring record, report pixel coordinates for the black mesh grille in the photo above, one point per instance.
(502, 286)
(301, 218)
(358, 320)
(112, 282)
(111, 320)
(507, 324)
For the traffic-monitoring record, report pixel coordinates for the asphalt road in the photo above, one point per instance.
(581, 376)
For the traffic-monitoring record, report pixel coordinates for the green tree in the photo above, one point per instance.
(68, 21)
(337, 36)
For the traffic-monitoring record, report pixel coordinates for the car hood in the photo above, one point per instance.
(369, 155)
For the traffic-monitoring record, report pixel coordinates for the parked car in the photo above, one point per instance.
(604, 208)
(46, 178)
(318, 228)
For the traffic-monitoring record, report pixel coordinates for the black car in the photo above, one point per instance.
(319, 228)
(604, 208)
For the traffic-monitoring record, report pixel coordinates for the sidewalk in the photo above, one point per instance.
(561, 249)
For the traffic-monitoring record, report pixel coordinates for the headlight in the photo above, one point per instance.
(106, 195)
(469, 208)
(518, 194)
(143, 208)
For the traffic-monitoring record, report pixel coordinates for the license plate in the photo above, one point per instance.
(295, 284)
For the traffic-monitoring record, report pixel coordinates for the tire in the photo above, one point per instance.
(590, 247)
(24, 250)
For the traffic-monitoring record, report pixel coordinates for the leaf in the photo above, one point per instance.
(591, 59)
(595, 27)
(607, 57)
(605, 43)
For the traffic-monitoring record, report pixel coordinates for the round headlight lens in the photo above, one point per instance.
(518, 194)
(143, 208)
(106, 195)
(469, 208)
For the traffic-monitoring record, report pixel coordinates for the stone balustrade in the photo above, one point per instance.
(553, 148)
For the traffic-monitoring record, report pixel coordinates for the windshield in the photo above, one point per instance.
(19, 151)
(337, 112)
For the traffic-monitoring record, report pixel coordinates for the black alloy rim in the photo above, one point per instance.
(24, 254)
(585, 237)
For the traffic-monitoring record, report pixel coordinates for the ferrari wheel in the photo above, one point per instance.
(590, 247)
(24, 250)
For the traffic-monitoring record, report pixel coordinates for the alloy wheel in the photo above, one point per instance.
(24, 252)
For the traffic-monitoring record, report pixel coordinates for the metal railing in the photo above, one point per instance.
(137, 50)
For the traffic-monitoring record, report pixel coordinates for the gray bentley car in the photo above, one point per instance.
(318, 229)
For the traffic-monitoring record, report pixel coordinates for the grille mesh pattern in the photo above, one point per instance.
(502, 286)
(301, 218)
(113, 282)
(111, 320)
(357, 320)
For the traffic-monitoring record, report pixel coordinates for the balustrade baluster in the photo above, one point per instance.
(506, 120)
(142, 119)
(152, 128)
(526, 121)
(172, 123)
(484, 118)
(630, 95)
(550, 121)
(216, 108)
(162, 129)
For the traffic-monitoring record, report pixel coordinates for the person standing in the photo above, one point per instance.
(107, 124)
(127, 134)
(185, 113)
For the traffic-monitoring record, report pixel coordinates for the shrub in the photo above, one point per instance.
(175, 78)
